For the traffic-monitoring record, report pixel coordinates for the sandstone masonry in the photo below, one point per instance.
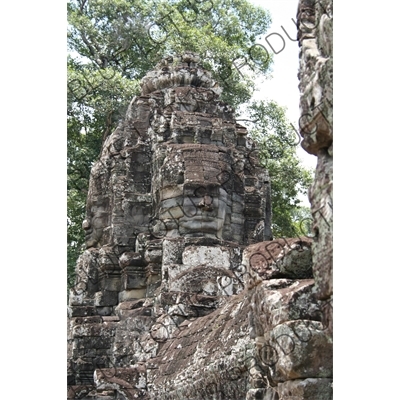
(182, 293)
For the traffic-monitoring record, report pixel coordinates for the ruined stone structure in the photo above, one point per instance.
(315, 25)
(181, 292)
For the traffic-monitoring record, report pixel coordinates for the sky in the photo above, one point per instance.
(283, 86)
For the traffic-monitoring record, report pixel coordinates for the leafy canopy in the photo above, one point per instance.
(277, 139)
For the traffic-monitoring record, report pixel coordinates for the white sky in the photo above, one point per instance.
(283, 87)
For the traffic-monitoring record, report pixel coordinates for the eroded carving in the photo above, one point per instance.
(169, 303)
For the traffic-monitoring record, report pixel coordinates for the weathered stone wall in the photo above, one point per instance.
(315, 24)
(177, 193)
(267, 342)
(181, 293)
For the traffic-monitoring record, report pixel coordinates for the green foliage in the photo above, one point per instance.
(131, 36)
(277, 140)
(302, 221)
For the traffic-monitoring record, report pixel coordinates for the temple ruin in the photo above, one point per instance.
(182, 293)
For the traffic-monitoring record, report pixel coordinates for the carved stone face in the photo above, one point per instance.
(193, 199)
(94, 226)
(204, 210)
(178, 165)
(96, 222)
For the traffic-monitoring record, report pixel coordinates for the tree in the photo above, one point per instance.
(113, 43)
(277, 139)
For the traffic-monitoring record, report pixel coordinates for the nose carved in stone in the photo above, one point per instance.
(87, 227)
(206, 203)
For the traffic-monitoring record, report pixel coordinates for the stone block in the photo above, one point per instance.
(171, 271)
(298, 349)
(110, 282)
(131, 294)
(130, 304)
(78, 297)
(203, 255)
(80, 391)
(205, 280)
(280, 300)
(106, 298)
(87, 320)
(131, 259)
(263, 394)
(154, 282)
(106, 330)
(321, 197)
(81, 311)
(93, 342)
(172, 251)
(129, 381)
(307, 389)
(104, 310)
(133, 277)
(281, 258)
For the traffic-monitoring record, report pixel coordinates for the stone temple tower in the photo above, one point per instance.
(175, 196)
(178, 165)
(181, 292)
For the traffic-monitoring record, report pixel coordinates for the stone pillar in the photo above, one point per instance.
(315, 24)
